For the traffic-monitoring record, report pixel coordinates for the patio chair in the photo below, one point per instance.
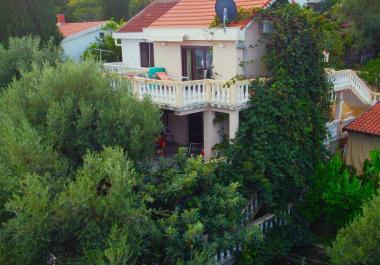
(195, 149)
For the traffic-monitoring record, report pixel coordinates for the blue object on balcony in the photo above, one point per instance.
(153, 70)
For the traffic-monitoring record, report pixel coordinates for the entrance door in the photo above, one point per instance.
(197, 62)
(196, 128)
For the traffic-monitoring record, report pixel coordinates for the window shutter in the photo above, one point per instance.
(151, 55)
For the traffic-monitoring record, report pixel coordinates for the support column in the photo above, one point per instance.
(339, 105)
(234, 124)
(210, 133)
(339, 111)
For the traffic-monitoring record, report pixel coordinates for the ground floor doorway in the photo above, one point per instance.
(196, 128)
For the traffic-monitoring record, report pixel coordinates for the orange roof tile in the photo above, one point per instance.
(368, 122)
(147, 16)
(68, 29)
(182, 13)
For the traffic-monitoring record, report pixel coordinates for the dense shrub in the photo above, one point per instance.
(177, 214)
(359, 242)
(280, 139)
(23, 53)
(371, 72)
(336, 194)
(73, 108)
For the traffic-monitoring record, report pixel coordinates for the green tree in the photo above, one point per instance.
(364, 22)
(371, 72)
(117, 9)
(136, 5)
(178, 213)
(73, 108)
(83, 10)
(32, 17)
(111, 52)
(280, 140)
(190, 203)
(95, 219)
(23, 53)
(336, 194)
(359, 242)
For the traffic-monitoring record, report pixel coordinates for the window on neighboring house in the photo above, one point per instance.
(146, 54)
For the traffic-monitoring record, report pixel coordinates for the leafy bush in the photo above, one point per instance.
(94, 219)
(190, 203)
(359, 242)
(178, 214)
(73, 108)
(371, 72)
(23, 53)
(337, 194)
(372, 167)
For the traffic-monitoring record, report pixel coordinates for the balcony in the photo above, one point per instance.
(188, 95)
(181, 96)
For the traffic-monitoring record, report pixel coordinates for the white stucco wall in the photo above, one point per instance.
(131, 53)
(74, 46)
(228, 56)
(168, 55)
(227, 60)
(255, 50)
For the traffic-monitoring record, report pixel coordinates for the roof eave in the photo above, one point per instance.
(83, 32)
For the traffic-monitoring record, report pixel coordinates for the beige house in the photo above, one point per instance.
(175, 35)
(363, 137)
(199, 61)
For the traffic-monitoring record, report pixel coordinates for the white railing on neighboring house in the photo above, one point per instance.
(348, 79)
(334, 129)
(265, 223)
(186, 95)
(122, 69)
(253, 206)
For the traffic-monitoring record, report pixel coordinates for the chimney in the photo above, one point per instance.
(61, 19)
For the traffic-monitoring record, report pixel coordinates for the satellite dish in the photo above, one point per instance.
(226, 10)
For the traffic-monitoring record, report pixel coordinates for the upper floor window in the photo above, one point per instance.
(146, 54)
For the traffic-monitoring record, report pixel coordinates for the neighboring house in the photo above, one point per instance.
(78, 36)
(363, 137)
(175, 37)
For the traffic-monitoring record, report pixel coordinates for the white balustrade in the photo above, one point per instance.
(122, 69)
(348, 79)
(189, 94)
(375, 97)
(220, 93)
(265, 223)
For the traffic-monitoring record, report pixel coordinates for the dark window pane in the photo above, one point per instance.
(146, 54)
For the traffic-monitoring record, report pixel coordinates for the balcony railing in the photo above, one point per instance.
(348, 79)
(123, 70)
(186, 95)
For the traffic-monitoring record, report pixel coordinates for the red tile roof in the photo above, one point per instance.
(368, 122)
(182, 13)
(147, 16)
(68, 29)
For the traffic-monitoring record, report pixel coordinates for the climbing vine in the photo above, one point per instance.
(242, 14)
(280, 140)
